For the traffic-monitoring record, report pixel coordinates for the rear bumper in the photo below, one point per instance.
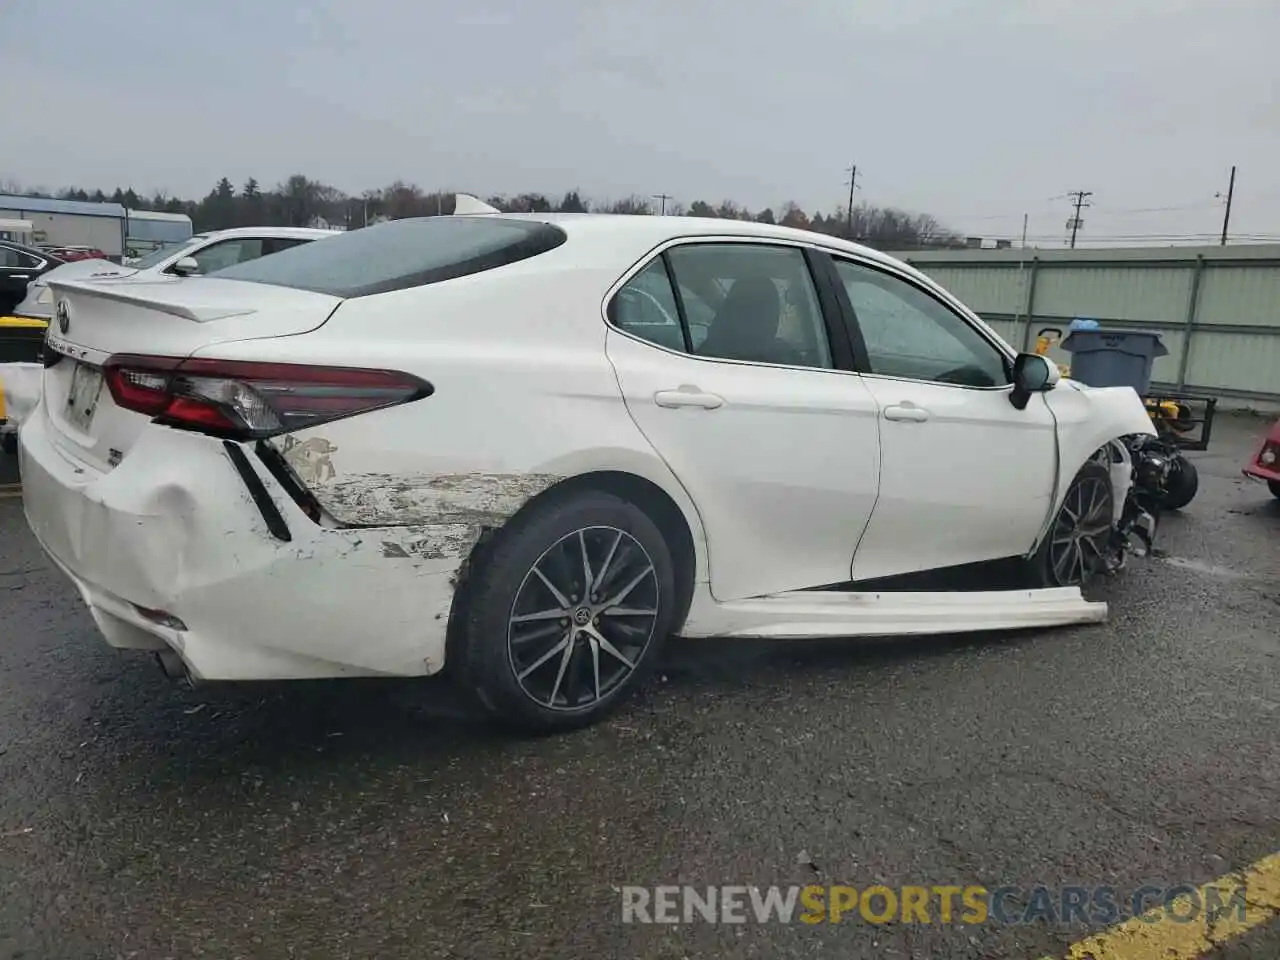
(169, 549)
(1259, 472)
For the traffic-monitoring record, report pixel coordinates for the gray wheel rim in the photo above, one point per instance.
(582, 619)
(1079, 538)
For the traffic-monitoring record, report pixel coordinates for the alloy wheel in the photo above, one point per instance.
(1082, 532)
(582, 618)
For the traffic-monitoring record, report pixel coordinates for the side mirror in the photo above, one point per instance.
(186, 267)
(1032, 373)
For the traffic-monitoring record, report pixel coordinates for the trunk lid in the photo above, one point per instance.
(169, 317)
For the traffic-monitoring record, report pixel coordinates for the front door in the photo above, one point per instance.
(964, 477)
(725, 359)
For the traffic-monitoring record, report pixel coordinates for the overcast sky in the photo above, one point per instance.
(974, 110)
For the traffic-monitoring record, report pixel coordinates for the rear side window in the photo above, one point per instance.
(400, 254)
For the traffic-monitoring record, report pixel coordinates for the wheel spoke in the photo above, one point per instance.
(608, 647)
(555, 591)
(626, 591)
(556, 614)
(564, 665)
(627, 612)
(546, 656)
(604, 567)
(550, 630)
(594, 644)
(587, 578)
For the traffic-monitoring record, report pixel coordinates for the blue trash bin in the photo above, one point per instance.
(1114, 358)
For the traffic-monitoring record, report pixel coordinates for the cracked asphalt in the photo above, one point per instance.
(143, 819)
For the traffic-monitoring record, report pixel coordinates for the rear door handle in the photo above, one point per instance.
(687, 396)
(906, 412)
(19, 276)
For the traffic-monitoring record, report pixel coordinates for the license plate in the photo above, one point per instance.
(82, 400)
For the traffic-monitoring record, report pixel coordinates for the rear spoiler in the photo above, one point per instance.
(466, 205)
(194, 313)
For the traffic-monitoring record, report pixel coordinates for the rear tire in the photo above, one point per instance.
(1183, 484)
(544, 649)
(1075, 547)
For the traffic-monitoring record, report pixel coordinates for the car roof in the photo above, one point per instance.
(655, 230)
(288, 233)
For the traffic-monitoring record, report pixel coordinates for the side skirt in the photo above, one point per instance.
(811, 615)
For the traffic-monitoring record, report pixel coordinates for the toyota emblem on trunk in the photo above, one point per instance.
(64, 316)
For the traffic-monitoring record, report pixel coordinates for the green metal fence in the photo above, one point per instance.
(1217, 308)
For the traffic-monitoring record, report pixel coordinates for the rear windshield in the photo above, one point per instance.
(400, 254)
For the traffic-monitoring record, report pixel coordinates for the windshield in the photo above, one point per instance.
(160, 254)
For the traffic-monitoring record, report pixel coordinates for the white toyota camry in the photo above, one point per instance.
(534, 447)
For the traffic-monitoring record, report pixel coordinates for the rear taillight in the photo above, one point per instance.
(248, 400)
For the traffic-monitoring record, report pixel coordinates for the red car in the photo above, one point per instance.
(78, 253)
(1265, 464)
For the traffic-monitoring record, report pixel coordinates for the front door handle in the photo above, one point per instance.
(19, 276)
(906, 412)
(687, 396)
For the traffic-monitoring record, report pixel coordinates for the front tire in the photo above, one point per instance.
(1182, 486)
(1074, 550)
(567, 612)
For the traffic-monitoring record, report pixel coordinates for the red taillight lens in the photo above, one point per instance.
(248, 400)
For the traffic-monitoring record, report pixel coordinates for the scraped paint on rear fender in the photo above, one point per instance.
(458, 505)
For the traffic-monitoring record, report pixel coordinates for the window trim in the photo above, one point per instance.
(833, 322)
(948, 302)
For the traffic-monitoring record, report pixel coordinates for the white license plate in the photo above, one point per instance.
(82, 400)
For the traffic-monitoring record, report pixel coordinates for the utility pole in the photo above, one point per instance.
(1075, 223)
(1024, 231)
(664, 197)
(853, 182)
(1226, 217)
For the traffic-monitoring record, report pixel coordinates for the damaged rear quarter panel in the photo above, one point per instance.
(447, 511)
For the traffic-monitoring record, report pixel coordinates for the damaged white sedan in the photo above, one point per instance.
(534, 447)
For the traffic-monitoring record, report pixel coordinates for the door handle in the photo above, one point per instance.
(687, 396)
(19, 276)
(906, 412)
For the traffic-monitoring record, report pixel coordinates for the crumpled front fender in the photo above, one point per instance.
(1088, 419)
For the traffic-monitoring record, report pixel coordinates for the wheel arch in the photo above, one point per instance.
(683, 536)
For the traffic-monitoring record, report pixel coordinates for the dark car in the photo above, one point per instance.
(19, 265)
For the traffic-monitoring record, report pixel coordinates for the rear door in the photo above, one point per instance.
(965, 476)
(165, 318)
(734, 366)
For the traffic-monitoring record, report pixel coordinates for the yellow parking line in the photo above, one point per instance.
(1166, 939)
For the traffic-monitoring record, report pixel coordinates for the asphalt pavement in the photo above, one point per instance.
(142, 819)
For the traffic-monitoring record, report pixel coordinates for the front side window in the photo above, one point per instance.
(751, 302)
(912, 335)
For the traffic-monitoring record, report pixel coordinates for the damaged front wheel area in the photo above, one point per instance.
(1080, 542)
